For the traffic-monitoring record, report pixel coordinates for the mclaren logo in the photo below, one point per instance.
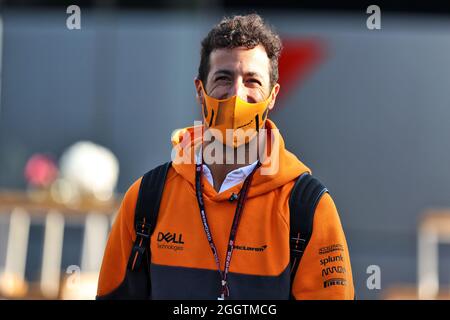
(254, 249)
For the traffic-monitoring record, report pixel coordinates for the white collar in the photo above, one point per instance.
(233, 177)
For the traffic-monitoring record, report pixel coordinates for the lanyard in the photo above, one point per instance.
(225, 292)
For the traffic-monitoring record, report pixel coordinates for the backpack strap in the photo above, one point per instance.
(146, 214)
(305, 196)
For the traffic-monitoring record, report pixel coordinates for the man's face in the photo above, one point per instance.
(239, 71)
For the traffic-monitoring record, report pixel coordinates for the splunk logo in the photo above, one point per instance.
(165, 239)
(324, 262)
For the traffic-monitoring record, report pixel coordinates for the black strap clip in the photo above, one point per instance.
(143, 229)
(298, 245)
(140, 246)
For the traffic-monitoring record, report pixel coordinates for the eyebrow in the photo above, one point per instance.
(224, 71)
(254, 74)
(231, 73)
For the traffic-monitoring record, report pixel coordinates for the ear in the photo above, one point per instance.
(274, 93)
(199, 93)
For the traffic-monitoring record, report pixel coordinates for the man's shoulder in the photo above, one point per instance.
(133, 191)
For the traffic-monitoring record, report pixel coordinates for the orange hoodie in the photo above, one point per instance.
(182, 264)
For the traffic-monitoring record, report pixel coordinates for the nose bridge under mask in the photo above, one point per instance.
(234, 113)
(226, 112)
(221, 111)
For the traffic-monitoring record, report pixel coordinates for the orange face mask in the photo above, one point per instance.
(234, 120)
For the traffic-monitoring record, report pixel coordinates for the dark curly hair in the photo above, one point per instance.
(241, 31)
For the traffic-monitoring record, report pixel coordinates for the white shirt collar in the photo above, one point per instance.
(232, 179)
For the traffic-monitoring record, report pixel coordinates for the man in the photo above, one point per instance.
(222, 229)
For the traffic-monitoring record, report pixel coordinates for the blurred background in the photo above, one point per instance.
(85, 112)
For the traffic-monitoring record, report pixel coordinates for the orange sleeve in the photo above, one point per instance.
(120, 243)
(325, 271)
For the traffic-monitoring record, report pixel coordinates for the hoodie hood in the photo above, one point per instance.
(279, 166)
